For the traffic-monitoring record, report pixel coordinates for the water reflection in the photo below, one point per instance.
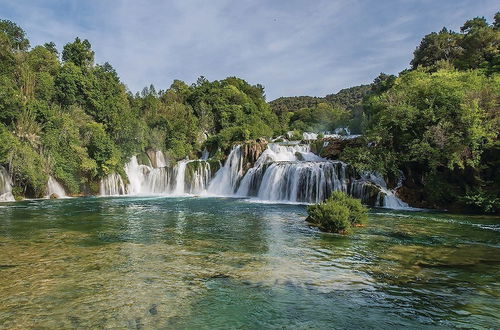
(205, 263)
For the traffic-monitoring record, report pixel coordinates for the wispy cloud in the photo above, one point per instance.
(296, 47)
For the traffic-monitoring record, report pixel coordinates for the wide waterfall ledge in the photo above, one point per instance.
(282, 173)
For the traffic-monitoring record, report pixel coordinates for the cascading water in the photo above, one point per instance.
(186, 177)
(180, 173)
(5, 186)
(205, 154)
(112, 185)
(160, 159)
(282, 172)
(372, 189)
(387, 198)
(55, 189)
(198, 176)
(293, 173)
(227, 178)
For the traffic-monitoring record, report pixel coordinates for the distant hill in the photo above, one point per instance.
(293, 103)
(347, 98)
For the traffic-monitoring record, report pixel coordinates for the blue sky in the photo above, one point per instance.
(307, 47)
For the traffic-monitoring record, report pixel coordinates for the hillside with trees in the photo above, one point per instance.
(65, 116)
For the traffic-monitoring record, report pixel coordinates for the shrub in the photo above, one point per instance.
(337, 214)
(482, 201)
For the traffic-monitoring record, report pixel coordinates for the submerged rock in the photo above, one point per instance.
(153, 310)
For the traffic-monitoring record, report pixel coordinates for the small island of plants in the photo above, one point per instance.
(337, 214)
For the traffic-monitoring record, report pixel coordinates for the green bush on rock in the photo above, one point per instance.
(338, 213)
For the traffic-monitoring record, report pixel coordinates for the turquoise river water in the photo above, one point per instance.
(195, 263)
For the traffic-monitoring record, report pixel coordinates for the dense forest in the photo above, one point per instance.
(437, 123)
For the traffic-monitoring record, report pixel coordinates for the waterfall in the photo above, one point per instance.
(160, 159)
(282, 172)
(205, 154)
(186, 177)
(55, 189)
(180, 173)
(147, 180)
(309, 136)
(5, 186)
(372, 189)
(298, 181)
(292, 173)
(198, 176)
(227, 178)
(112, 185)
(387, 198)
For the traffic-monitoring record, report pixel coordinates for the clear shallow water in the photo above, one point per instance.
(227, 263)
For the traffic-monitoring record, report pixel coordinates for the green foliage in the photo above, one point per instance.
(51, 46)
(233, 109)
(435, 120)
(477, 46)
(79, 53)
(10, 100)
(324, 117)
(483, 201)
(296, 136)
(291, 110)
(27, 170)
(101, 148)
(434, 47)
(330, 217)
(16, 35)
(40, 59)
(7, 146)
(433, 125)
(284, 105)
(68, 159)
(76, 121)
(69, 85)
(349, 98)
(337, 214)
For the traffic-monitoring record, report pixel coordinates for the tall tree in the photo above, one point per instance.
(79, 52)
(434, 47)
(16, 35)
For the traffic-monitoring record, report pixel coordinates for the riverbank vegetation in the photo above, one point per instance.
(438, 123)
